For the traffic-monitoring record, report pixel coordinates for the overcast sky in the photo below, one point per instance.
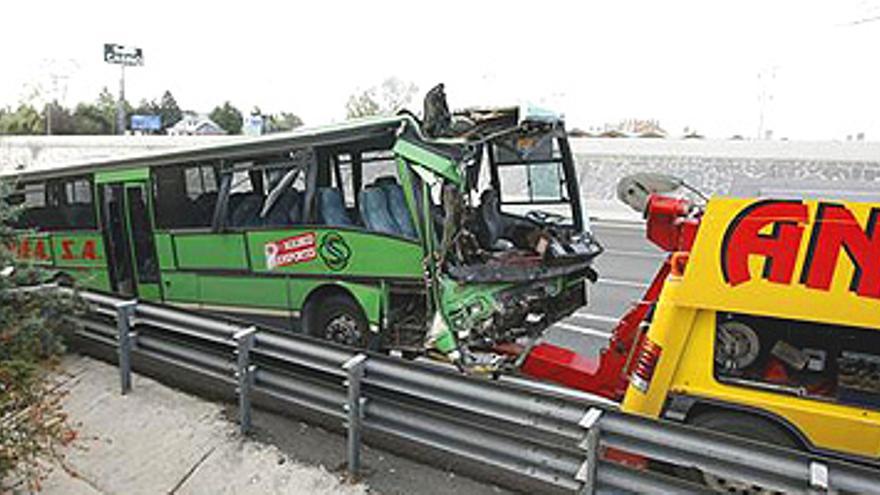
(686, 63)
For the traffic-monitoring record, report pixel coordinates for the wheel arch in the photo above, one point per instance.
(685, 409)
(367, 297)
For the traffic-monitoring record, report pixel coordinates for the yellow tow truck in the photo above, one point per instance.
(763, 322)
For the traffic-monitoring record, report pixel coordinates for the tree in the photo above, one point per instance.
(168, 110)
(386, 99)
(96, 118)
(361, 105)
(32, 422)
(89, 119)
(59, 119)
(23, 120)
(284, 121)
(228, 117)
(146, 107)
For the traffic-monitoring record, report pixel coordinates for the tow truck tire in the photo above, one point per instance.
(741, 425)
(746, 426)
(337, 318)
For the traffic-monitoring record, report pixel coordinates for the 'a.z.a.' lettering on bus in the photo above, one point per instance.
(291, 250)
(29, 249)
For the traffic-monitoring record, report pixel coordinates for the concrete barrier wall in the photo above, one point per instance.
(39, 151)
(714, 166)
(709, 165)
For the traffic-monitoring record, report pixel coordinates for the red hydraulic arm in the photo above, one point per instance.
(672, 225)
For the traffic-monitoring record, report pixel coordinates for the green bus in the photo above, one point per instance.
(451, 235)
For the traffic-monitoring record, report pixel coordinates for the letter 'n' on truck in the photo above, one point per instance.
(452, 234)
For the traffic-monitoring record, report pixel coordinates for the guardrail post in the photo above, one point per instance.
(244, 372)
(819, 483)
(590, 443)
(355, 369)
(124, 312)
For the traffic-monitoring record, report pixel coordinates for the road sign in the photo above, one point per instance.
(118, 54)
(146, 122)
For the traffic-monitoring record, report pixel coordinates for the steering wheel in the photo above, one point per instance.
(545, 218)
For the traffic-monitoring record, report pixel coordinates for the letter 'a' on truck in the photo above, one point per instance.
(454, 234)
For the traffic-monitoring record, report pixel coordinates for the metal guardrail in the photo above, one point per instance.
(557, 441)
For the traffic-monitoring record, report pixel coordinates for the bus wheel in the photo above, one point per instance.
(337, 318)
(744, 426)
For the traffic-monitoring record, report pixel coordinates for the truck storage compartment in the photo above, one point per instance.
(820, 361)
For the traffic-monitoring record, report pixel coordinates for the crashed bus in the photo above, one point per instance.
(451, 234)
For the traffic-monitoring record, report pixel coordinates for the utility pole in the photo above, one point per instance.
(59, 73)
(120, 105)
(766, 80)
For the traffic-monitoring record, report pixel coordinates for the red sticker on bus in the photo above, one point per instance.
(290, 251)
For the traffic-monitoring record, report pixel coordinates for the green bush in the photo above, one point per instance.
(32, 328)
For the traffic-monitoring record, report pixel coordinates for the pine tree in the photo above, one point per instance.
(169, 110)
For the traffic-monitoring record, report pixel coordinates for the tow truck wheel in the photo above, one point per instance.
(740, 425)
(337, 318)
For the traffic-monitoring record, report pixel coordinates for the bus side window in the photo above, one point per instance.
(382, 200)
(283, 205)
(185, 195)
(59, 204)
(77, 207)
(30, 202)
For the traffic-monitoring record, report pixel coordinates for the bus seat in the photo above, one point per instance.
(397, 205)
(287, 209)
(205, 203)
(77, 215)
(492, 222)
(295, 208)
(235, 199)
(374, 211)
(247, 213)
(331, 207)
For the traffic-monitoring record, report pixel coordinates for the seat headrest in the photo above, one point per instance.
(385, 180)
(488, 195)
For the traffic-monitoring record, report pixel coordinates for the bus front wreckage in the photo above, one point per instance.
(508, 252)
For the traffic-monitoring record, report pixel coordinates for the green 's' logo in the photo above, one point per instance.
(334, 251)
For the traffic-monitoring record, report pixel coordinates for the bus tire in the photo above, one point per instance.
(337, 318)
(741, 425)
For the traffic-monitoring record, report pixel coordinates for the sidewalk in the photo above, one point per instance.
(158, 440)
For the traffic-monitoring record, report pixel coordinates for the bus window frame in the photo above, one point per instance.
(55, 199)
(155, 196)
(326, 158)
(255, 172)
(568, 188)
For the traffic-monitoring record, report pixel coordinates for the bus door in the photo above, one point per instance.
(128, 239)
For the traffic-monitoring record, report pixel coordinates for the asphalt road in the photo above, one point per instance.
(625, 270)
